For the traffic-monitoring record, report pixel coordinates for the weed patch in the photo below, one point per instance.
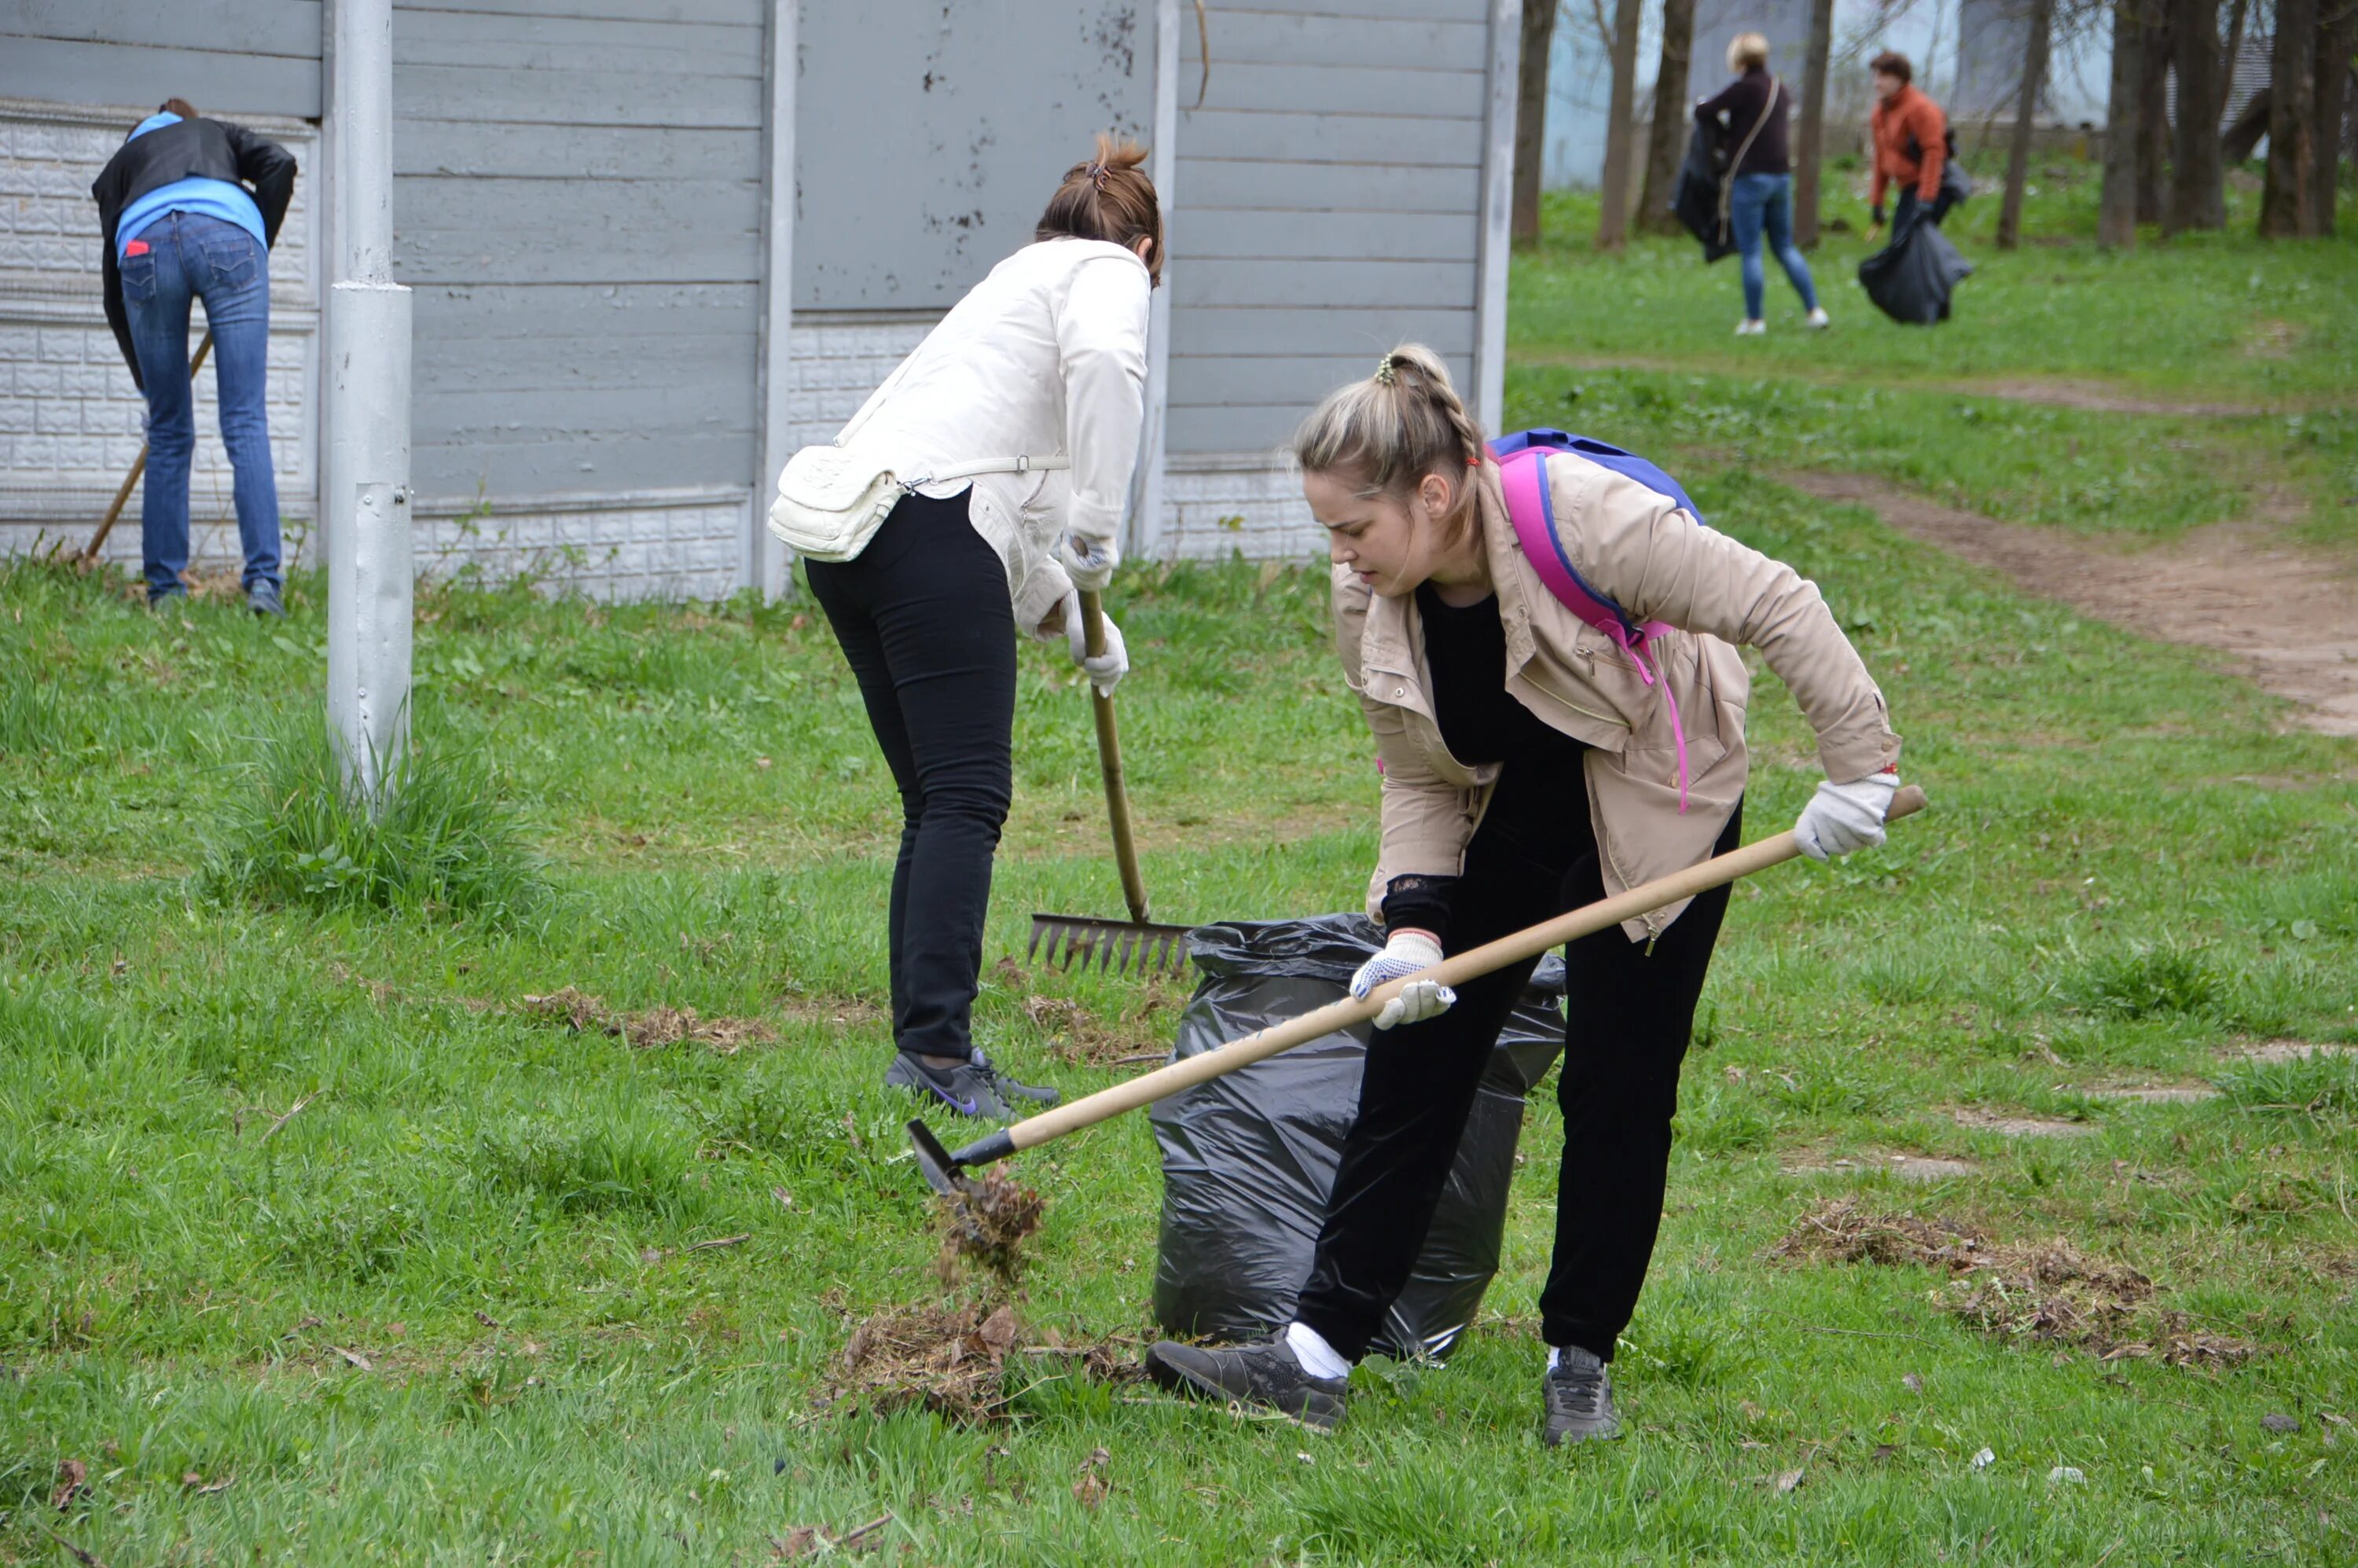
(988, 1227)
(949, 1360)
(650, 1027)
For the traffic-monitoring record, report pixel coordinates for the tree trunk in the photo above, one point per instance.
(2153, 113)
(2242, 135)
(2236, 12)
(1531, 118)
(2018, 155)
(1811, 152)
(2337, 40)
(1674, 115)
(1613, 220)
(2291, 177)
(2116, 214)
(2198, 190)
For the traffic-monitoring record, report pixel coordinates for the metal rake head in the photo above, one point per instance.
(1117, 946)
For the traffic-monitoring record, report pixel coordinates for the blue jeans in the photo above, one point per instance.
(190, 257)
(1766, 199)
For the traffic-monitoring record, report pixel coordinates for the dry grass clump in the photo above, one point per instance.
(584, 1013)
(2049, 1291)
(988, 1227)
(949, 1360)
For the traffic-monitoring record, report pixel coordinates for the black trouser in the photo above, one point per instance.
(924, 618)
(1630, 1014)
(1903, 211)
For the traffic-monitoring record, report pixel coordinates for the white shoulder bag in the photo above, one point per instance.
(829, 503)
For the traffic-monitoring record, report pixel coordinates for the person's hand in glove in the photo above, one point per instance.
(1105, 671)
(1841, 817)
(1088, 562)
(1408, 951)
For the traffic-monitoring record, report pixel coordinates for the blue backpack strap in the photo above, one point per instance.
(1627, 464)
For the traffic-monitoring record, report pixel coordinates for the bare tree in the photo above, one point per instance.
(2291, 178)
(2018, 153)
(1672, 116)
(2116, 215)
(2153, 113)
(2237, 12)
(1613, 220)
(1531, 118)
(2198, 190)
(2337, 40)
(1812, 149)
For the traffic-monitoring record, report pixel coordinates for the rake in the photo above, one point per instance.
(1114, 946)
(945, 1171)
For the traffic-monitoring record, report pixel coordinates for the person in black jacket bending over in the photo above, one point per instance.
(189, 208)
(1754, 108)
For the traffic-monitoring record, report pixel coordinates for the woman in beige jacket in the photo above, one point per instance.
(1529, 767)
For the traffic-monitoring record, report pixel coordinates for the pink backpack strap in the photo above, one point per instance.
(1523, 477)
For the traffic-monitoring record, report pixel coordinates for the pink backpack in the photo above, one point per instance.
(1522, 473)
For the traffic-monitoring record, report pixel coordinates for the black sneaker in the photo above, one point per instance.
(1267, 1375)
(1578, 1392)
(972, 1088)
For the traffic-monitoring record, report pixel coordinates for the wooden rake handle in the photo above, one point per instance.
(1334, 1017)
(1125, 849)
(138, 466)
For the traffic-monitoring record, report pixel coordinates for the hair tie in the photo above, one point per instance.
(1096, 173)
(1384, 373)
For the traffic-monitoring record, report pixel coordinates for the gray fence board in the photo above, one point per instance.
(568, 43)
(67, 71)
(1279, 186)
(468, 255)
(1415, 285)
(1309, 235)
(744, 13)
(1314, 88)
(470, 148)
(485, 312)
(1263, 37)
(1350, 12)
(289, 28)
(586, 362)
(930, 135)
(1296, 379)
(693, 405)
(575, 97)
(1332, 138)
(615, 461)
(1206, 330)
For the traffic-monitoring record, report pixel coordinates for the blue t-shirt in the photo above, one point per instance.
(213, 198)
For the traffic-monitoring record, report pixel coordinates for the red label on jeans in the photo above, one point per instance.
(135, 248)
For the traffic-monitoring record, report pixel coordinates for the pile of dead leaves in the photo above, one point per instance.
(2049, 1291)
(949, 1360)
(584, 1013)
(988, 1226)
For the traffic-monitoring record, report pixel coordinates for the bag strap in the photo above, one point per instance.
(980, 466)
(1727, 186)
(1531, 508)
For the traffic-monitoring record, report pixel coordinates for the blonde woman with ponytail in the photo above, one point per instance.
(1531, 764)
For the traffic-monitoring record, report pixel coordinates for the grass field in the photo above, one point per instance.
(321, 1243)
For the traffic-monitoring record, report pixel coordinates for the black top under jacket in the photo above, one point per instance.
(1741, 100)
(193, 149)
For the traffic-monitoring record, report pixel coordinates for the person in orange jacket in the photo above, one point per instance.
(1911, 144)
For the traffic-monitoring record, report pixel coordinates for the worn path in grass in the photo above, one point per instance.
(2289, 615)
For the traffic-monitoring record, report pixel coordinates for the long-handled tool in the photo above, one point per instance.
(945, 1170)
(140, 466)
(1114, 944)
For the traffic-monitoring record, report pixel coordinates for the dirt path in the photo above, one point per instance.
(2047, 392)
(2289, 616)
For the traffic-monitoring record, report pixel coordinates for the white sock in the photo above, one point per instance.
(1318, 1359)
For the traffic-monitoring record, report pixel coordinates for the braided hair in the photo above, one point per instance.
(1390, 430)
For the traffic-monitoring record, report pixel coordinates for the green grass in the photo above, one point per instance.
(253, 1136)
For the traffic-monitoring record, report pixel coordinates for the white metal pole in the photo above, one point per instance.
(370, 559)
(1146, 524)
(1497, 216)
(766, 564)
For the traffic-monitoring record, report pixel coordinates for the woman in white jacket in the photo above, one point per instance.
(1046, 358)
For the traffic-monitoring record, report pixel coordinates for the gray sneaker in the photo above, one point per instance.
(1267, 1375)
(1578, 1392)
(262, 598)
(973, 1087)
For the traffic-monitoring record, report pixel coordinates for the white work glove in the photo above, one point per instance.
(1841, 817)
(1088, 562)
(1405, 954)
(1105, 671)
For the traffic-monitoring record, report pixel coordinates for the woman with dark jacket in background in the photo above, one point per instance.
(1754, 108)
(189, 208)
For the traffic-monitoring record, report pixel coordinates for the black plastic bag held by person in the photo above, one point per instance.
(1910, 278)
(1696, 198)
(1248, 1159)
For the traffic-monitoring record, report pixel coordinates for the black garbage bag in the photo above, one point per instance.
(1695, 197)
(1248, 1159)
(1910, 278)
